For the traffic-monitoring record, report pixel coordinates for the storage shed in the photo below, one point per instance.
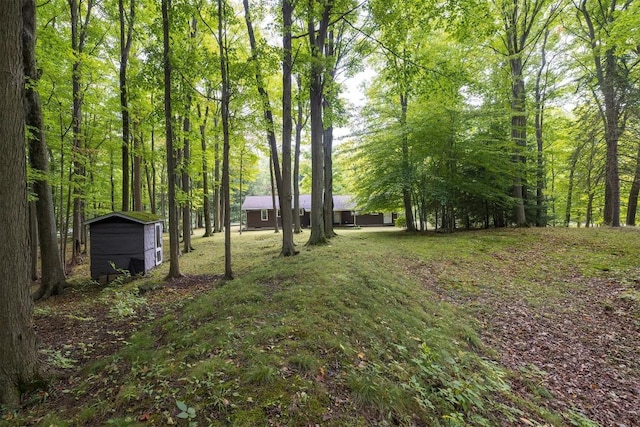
(130, 240)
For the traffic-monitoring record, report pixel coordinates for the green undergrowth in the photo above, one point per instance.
(342, 334)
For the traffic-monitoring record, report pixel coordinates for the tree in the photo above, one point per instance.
(79, 28)
(174, 238)
(540, 98)
(126, 38)
(632, 204)
(400, 36)
(610, 72)
(523, 23)
(288, 247)
(208, 230)
(224, 110)
(317, 39)
(17, 337)
(52, 271)
(281, 176)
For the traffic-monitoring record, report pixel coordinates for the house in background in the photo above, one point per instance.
(259, 213)
(130, 240)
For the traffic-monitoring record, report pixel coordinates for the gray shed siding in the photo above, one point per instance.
(117, 242)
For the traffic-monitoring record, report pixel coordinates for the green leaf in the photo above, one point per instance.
(181, 405)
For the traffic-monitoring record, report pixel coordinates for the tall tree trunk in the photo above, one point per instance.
(78, 39)
(217, 202)
(62, 244)
(632, 205)
(296, 161)
(523, 22)
(541, 214)
(17, 337)
(242, 151)
(186, 180)
(613, 83)
(112, 179)
(288, 247)
(147, 159)
(614, 127)
(316, 41)
(327, 141)
(174, 238)
(273, 199)
(126, 32)
(208, 231)
(518, 135)
(406, 164)
(186, 159)
(52, 268)
(33, 239)
(224, 104)
(589, 215)
(282, 177)
(572, 170)
(138, 145)
(152, 193)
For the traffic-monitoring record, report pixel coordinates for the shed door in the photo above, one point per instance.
(158, 244)
(387, 218)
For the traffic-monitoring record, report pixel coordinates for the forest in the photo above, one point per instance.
(458, 115)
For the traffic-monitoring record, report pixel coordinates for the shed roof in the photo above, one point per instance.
(340, 203)
(139, 217)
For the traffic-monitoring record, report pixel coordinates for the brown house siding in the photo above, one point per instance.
(255, 222)
(342, 218)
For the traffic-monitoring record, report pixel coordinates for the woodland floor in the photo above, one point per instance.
(577, 352)
(572, 343)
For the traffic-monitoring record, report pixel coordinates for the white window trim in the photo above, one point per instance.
(264, 214)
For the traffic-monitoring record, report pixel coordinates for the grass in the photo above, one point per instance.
(342, 334)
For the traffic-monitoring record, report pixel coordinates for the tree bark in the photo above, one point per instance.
(282, 176)
(406, 182)
(174, 238)
(186, 180)
(17, 337)
(316, 41)
(327, 141)
(296, 161)
(276, 228)
(224, 108)
(613, 83)
(78, 39)
(126, 32)
(208, 230)
(541, 210)
(217, 202)
(518, 135)
(632, 205)
(138, 147)
(572, 170)
(288, 247)
(52, 268)
(33, 240)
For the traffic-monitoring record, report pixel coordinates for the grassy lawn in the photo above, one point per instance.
(381, 327)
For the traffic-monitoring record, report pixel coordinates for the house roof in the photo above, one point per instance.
(139, 217)
(340, 203)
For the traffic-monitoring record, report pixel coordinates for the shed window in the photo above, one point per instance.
(301, 213)
(278, 213)
(264, 215)
(158, 236)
